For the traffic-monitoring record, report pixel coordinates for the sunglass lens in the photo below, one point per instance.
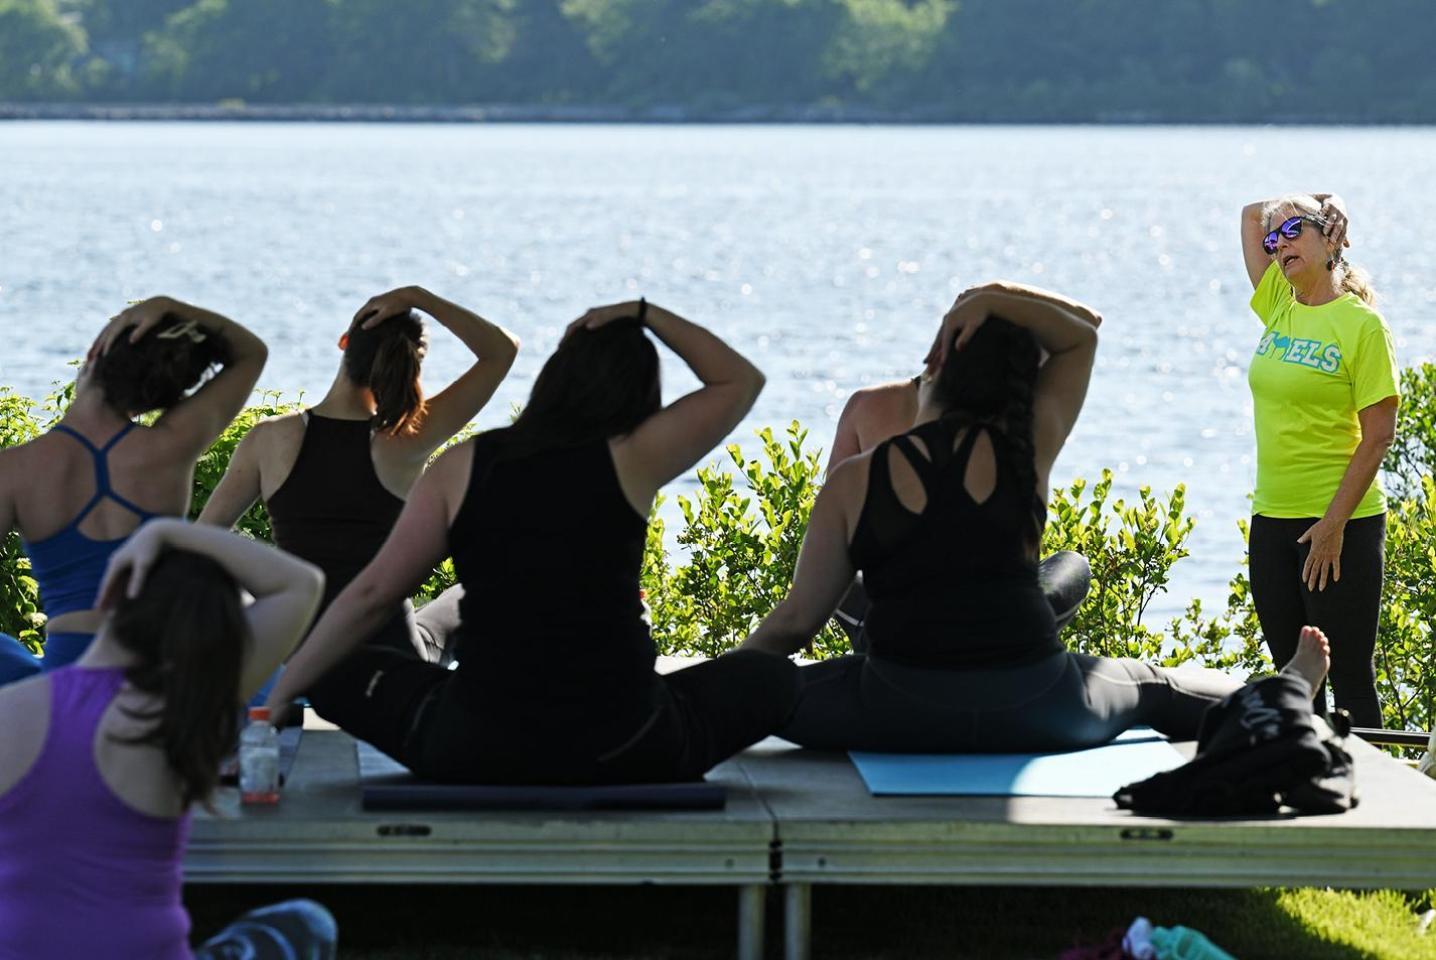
(1268, 242)
(1292, 228)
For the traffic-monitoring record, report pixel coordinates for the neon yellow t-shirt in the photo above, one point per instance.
(1314, 368)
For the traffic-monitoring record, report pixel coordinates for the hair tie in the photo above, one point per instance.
(189, 328)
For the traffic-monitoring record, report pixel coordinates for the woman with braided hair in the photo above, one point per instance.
(944, 521)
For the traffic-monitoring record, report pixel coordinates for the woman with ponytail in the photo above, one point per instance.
(944, 521)
(334, 477)
(546, 520)
(1324, 384)
(102, 759)
(75, 493)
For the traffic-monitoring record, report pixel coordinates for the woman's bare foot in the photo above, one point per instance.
(1312, 658)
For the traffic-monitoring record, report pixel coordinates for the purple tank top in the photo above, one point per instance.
(81, 873)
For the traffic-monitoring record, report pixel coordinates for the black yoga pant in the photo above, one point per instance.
(1066, 701)
(293, 930)
(1347, 611)
(419, 714)
(428, 632)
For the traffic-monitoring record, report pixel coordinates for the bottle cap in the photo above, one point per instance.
(259, 713)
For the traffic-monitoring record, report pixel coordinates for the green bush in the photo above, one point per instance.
(20, 614)
(1411, 455)
(742, 550)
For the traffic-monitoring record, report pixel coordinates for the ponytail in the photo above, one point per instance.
(188, 632)
(1356, 280)
(387, 359)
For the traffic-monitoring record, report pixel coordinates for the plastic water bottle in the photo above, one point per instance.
(259, 759)
(1184, 943)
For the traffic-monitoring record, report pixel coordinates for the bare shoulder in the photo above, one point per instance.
(25, 718)
(848, 481)
(880, 395)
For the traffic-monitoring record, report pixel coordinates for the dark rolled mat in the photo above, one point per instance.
(387, 785)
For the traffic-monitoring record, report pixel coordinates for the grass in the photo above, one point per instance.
(952, 923)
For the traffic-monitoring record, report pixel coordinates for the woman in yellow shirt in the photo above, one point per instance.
(1324, 398)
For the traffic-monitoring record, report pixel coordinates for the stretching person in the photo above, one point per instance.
(944, 521)
(1324, 398)
(335, 476)
(546, 521)
(75, 493)
(878, 413)
(101, 760)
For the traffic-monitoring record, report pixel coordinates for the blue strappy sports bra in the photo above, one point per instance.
(68, 565)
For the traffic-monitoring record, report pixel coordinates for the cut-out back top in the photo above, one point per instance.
(954, 585)
(68, 565)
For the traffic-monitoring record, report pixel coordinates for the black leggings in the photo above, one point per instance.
(1347, 611)
(427, 632)
(1064, 702)
(419, 714)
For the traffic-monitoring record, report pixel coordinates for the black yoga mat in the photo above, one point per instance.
(387, 785)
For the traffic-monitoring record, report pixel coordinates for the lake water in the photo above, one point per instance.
(827, 254)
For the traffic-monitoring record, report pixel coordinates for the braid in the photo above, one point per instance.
(1017, 421)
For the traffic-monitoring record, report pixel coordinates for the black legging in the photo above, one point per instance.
(419, 714)
(1064, 702)
(428, 632)
(1347, 611)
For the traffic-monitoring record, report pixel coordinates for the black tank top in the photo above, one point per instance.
(954, 586)
(548, 550)
(332, 510)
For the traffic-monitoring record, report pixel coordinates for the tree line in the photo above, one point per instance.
(1354, 61)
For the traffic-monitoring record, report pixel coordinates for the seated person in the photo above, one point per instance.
(334, 477)
(944, 521)
(102, 759)
(878, 413)
(546, 521)
(77, 491)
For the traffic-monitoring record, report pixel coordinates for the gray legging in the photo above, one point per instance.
(293, 930)
(1064, 702)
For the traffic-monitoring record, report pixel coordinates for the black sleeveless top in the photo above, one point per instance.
(954, 586)
(549, 551)
(332, 510)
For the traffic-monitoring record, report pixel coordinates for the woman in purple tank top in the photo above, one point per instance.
(102, 759)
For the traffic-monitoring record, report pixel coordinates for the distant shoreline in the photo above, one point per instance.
(596, 113)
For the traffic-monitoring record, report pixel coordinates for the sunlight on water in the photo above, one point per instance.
(827, 253)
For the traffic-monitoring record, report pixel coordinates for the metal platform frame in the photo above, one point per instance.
(798, 819)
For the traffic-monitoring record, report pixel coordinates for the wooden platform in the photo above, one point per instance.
(798, 818)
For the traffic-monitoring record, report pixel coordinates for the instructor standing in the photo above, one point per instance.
(1324, 398)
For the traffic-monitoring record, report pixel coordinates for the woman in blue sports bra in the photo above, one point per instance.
(76, 493)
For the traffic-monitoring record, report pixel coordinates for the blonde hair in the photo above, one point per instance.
(1351, 278)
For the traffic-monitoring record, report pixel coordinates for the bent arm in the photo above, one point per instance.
(1050, 298)
(678, 436)
(823, 572)
(286, 590)
(419, 540)
(495, 348)
(1254, 255)
(196, 421)
(238, 488)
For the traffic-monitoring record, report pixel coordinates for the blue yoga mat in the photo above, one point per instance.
(1098, 772)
